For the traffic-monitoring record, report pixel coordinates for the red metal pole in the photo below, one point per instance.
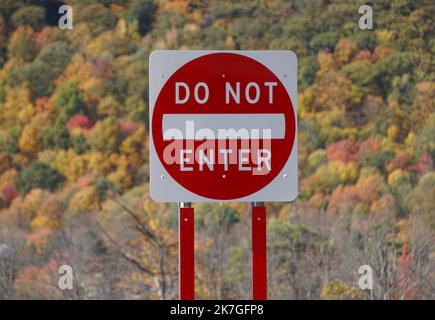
(259, 256)
(186, 238)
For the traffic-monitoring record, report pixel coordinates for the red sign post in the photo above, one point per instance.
(186, 242)
(259, 252)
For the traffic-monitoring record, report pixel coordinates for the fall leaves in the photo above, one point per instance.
(74, 153)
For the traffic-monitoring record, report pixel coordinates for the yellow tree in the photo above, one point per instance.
(70, 164)
(84, 201)
(424, 102)
(28, 142)
(106, 135)
(344, 50)
(17, 108)
(134, 148)
(49, 215)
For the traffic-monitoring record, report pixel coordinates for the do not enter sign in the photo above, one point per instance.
(223, 126)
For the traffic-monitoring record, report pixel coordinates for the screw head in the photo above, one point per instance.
(162, 177)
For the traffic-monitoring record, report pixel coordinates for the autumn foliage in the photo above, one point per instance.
(74, 164)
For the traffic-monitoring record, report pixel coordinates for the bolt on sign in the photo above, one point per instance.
(223, 126)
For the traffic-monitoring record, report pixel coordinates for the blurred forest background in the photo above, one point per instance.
(74, 151)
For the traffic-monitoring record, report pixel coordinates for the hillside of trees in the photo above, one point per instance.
(74, 167)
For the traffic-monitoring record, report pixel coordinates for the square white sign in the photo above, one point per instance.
(165, 65)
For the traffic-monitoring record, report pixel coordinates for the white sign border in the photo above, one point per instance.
(162, 65)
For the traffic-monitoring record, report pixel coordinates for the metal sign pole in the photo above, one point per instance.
(259, 255)
(186, 242)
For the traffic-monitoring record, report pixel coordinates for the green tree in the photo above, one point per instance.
(55, 56)
(21, 45)
(79, 143)
(3, 40)
(422, 199)
(12, 140)
(381, 159)
(69, 101)
(97, 17)
(39, 175)
(143, 12)
(29, 15)
(36, 75)
(424, 142)
(56, 137)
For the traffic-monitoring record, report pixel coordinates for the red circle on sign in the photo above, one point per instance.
(224, 180)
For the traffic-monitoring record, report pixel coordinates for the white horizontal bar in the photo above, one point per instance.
(270, 124)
